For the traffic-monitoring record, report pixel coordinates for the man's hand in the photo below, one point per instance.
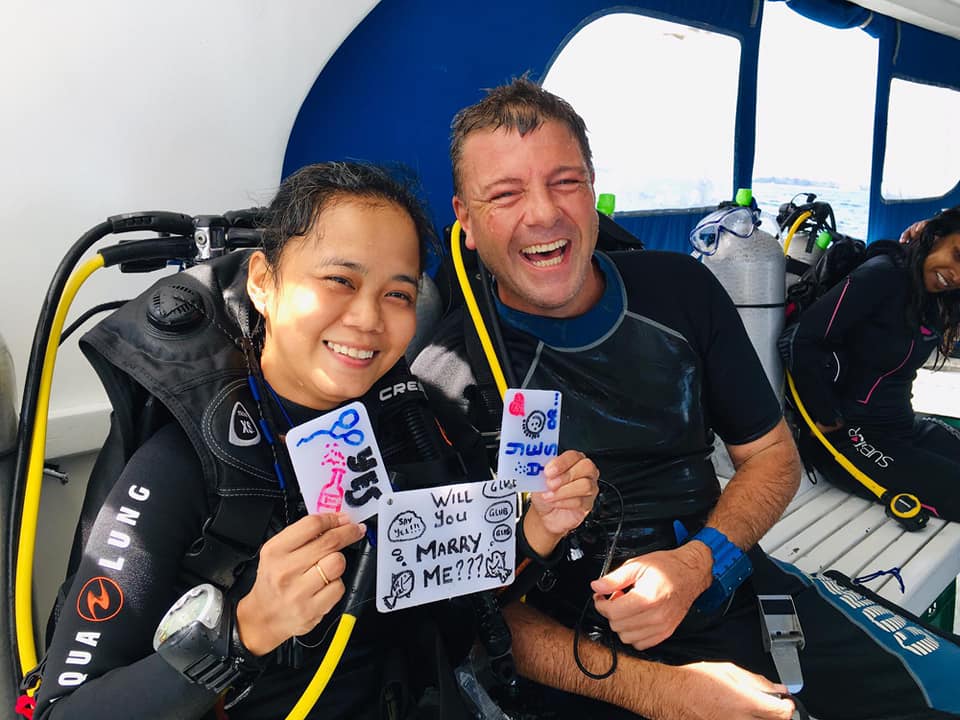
(646, 598)
(572, 487)
(722, 691)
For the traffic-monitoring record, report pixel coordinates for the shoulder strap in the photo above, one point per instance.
(231, 537)
(486, 406)
(485, 401)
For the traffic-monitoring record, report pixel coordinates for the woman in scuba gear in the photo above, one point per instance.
(334, 292)
(854, 358)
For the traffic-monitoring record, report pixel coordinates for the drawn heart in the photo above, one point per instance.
(516, 405)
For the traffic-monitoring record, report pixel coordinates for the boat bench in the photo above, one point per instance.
(826, 528)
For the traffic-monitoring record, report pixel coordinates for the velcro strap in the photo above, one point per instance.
(231, 537)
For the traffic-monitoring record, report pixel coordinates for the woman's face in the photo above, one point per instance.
(340, 310)
(941, 269)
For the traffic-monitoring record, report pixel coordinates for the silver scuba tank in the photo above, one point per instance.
(749, 263)
(798, 251)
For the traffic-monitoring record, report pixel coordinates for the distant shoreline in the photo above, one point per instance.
(796, 181)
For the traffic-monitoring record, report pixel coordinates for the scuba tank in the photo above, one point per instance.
(806, 231)
(749, 263)
(804, 252)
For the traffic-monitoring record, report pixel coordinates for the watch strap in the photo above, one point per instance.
(731, 566)
(238, 649)
(212, 657)
(524, 549)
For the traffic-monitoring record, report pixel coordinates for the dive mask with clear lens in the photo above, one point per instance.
(739, 221)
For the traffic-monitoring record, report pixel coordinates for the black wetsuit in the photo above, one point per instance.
(657, 364)
(858, 333)
(100, 665)
(179, 489)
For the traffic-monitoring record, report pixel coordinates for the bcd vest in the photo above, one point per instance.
(179, 343)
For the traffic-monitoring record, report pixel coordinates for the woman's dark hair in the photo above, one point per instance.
(945, 306)
(307, 193)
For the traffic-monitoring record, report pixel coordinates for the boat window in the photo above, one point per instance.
(923, 147)
(659, 100)
(816, 90)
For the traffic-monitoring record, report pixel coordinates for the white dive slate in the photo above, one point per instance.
(441, 542)
(529, 437)
(338, 463)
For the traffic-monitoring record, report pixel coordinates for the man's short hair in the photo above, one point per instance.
(522, 106)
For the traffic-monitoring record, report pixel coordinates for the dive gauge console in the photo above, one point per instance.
(198, 636)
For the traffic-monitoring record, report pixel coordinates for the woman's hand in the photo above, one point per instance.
(572, 487)
(913, 232)
(298, 580)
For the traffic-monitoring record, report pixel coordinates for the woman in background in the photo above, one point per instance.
(855, 356)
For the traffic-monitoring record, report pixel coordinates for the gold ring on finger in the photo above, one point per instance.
(326, 580)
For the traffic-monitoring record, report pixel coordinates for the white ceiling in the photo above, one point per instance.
(942, 16)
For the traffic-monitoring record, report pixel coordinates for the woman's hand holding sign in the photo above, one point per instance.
(298, 580)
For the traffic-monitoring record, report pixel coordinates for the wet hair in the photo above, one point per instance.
(522, 106)
(306, 194)
(944, 306)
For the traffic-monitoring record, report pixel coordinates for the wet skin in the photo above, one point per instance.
(340, 310)
(527, 205)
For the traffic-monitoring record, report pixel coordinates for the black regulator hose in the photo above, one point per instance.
(164, 222)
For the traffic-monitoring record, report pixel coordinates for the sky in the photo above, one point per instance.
(661, 97)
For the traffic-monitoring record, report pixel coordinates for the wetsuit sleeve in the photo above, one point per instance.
(817, 351)
(101, 661)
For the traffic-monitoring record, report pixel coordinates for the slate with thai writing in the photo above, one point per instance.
(442, 542)
(529, 437)
(338, 463)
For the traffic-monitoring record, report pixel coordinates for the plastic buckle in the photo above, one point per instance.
(782, 637)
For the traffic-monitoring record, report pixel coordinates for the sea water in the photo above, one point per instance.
(850, 205)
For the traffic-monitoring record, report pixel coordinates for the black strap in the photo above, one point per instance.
(796, 267)
(231, 537)
(486, 406)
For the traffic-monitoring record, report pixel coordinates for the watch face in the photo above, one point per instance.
(203, 604)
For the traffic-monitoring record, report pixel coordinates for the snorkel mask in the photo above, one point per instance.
(739, 221)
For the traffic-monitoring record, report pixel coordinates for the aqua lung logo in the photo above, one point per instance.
(243, 429)
(861, 445)
(100, 599)
(910, 637)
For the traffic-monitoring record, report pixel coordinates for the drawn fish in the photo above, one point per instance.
(401, 585)
(496, 566)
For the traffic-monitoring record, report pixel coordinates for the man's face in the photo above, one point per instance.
(528, 208)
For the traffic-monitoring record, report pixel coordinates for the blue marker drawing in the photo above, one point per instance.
(342, 429)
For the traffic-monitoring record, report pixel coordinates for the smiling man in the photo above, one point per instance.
(652, 359)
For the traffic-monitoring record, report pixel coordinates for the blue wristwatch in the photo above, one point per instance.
(730, 568)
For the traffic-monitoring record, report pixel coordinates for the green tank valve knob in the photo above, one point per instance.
(824, 239)
(606, 203)
(744, 197)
